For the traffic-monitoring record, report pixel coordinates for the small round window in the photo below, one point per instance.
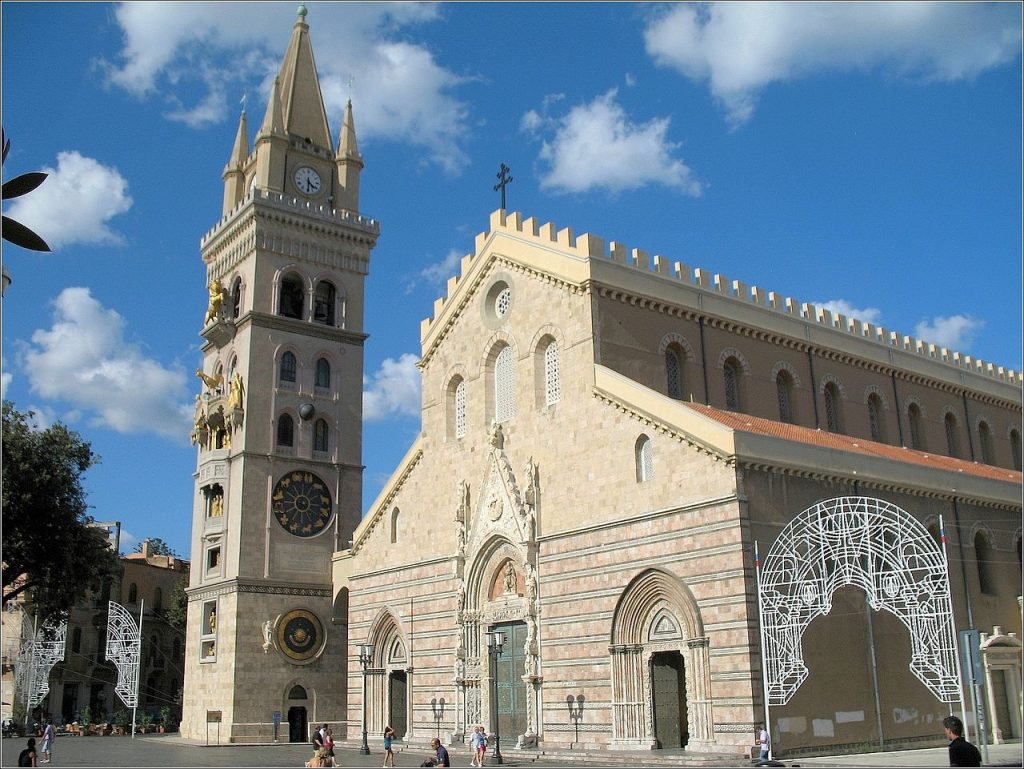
(502, 302)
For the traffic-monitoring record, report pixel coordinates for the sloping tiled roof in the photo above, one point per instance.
(823, 439)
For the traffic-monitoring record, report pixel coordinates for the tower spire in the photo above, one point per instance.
(234, 171)
(349, 162)
(302, 103)
(273, 120)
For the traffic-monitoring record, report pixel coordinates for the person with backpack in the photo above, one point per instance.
(28, 756)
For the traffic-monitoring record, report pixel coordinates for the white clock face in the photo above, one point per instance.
(307, 181)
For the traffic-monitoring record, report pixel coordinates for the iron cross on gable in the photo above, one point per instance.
(503, 181)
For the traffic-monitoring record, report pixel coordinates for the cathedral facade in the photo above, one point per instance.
(608, 441)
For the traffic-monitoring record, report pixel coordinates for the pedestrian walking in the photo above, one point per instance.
(764, 740)
(479, 745)
(389, 737)
(49, 733)
(961, 752)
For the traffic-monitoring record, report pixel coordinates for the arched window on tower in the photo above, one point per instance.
(674, 371)
(285, 431)
(394, 525)
(321, 436)
(323, 303)
(952, 439)
(988, 454)
(460, 409)
(291, 297)
(133, 593)
(644, 457)
(916, 427)
(784, 390)
(1015, 448)
(875, 418)
(833, 417)
(983, 555)
(236, 298)
(504, 385)
(731, 374)
(552, 374)
(323, 374)
(286, 372)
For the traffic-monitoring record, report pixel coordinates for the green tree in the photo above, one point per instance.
(177, 609)
(50, 550)
(157, 547)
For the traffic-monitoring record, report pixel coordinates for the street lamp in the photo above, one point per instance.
(495, 640)
(365, 655)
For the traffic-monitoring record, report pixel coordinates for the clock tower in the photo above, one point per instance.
(278, 421)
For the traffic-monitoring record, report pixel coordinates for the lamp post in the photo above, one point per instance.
(365, 655)
(495, 640)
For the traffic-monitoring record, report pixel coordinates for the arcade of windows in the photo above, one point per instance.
(328, 305)
(832, 401)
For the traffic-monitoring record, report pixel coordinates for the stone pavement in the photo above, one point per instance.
(171, 750)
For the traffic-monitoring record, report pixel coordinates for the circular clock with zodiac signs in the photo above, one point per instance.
(300, 636)
(302, 503)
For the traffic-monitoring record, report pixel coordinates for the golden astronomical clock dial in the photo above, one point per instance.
(302, 504)
(300, 636)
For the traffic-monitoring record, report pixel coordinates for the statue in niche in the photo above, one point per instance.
(237, 392)
(199, 429)
(217, 505)
(217, 297)
(510, 577)
(529, 475)
(496, 507)
(462, 597)
(463, 509)
(530, 647)
(530, 577)
(268, 635)
(460, 534)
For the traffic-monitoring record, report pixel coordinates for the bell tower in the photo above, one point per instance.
(278, 420)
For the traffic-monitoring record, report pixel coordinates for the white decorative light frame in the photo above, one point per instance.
(878, 547)
(124, 649)
(40, 650)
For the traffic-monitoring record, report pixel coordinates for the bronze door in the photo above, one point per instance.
(668, 680)
(512, 691)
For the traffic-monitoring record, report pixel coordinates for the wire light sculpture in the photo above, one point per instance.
(878, 547)
(41, 649)
(124, 649)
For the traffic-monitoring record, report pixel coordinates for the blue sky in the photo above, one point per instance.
(864, 155)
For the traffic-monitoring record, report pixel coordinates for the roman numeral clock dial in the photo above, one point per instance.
(307, 180)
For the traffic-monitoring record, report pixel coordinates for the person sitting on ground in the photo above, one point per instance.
(441, 759)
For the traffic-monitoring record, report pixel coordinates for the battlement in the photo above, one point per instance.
(290, 203)
(589, 246)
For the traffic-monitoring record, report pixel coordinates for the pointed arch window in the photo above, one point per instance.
(460, 409)
(644, 456)
(324, 302)
(731, 374)
(674, 372)
(552, 375)
(394, 525)
(952, 439)
(236, 298)
(784, 392)
(1015, 448)
(875, 418)
(833, 417)
(133, 593)
(988, 454)
(916, 427)
(504, 385)
(323, 373)
(285, 431)
(286, 372)
(291, 297)
(321, 437)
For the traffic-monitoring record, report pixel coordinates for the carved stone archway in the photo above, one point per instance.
(657, 613)
(390, 656)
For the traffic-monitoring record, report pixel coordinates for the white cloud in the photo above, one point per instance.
(74, 203)
(128, 541)
(84, 360)
(400, 92)
(739, 48)
(393, 390)
(955, 332)
(437, 274)
(5, 378)
(596, 146)
(842, 307)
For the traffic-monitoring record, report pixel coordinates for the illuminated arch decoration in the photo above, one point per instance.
(879, 548)
(124, 649)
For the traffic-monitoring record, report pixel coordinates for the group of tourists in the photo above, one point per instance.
(323, 749)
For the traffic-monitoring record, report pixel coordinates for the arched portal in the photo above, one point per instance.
(661, 686)
(878, 547)
(388, 679)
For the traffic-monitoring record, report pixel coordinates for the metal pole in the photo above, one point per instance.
(138, 665)
(952, 623)
(497, 757)
(365, 749)
(764, 653)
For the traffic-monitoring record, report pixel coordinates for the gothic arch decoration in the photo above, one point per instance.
(872, 389)
(878, 547)
(783, 365)
(390, 656)
(496, 531)
(912, 400)
(673, 338)
(732, 352)
(657, 613)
